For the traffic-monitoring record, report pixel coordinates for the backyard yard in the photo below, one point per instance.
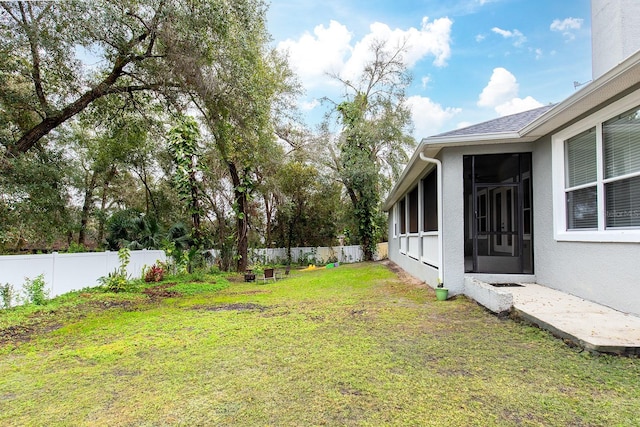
(359, 344)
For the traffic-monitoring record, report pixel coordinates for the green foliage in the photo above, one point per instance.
(35, 291)
(6, 294)
(308, 258)
(33, 209)
(155, 273)
(76, 248)
(183, 145)
(308, 207)
(132, 229)
(375, 139)
(118, 280)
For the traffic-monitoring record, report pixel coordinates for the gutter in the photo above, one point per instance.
(438, 164)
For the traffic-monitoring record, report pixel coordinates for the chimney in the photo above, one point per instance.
(615, 33)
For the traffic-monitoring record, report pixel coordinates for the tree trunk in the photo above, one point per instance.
(194, 205)
(242, 225)
(103, 202)
(86, 208)
(268, 208)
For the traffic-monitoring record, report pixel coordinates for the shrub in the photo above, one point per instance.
(6, 293)
(114, 282)
(117, 280)
(76, 248)
(34, 290)
(154, 274)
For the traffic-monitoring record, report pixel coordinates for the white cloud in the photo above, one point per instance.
(309, 105)
(313, 55)
(428, 116)
(501, 94)
(517, 105)
(501, 87)
(480, 37)
(567, 26)
(331, 50)
(425, 81)
(432, 39)
(538, 53)
(516, 35)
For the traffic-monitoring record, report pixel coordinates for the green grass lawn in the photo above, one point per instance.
(353, 345)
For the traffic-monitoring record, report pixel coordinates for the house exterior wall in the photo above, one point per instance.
(604, 272)
(453, 207)
(615, 33)
(416, 267)
(452, 218)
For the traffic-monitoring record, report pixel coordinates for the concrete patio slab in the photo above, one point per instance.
(587, 324)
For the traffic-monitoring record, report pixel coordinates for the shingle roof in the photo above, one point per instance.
(511, 123)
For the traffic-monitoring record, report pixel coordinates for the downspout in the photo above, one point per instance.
(438, 164)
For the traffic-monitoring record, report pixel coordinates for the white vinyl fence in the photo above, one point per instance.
(313, 255)
(68, 272)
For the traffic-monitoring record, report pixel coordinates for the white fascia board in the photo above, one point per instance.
(474, 139)
(399, 189)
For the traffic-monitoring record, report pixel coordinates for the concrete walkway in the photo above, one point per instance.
(587, 324)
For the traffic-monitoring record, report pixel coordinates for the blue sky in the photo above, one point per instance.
(471, 60)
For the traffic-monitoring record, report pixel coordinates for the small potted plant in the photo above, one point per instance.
(441, 292)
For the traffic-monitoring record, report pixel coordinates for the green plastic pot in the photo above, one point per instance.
(442, 294)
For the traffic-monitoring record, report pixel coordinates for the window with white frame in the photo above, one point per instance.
(597, 168)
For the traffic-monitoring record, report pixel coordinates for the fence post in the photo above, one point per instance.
(53, 272)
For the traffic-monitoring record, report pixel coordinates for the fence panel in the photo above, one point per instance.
(319, 255)
(68, 272)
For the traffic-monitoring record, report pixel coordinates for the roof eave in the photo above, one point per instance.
(616, 80)
(393, 197)
(476, 139)
(431, 147)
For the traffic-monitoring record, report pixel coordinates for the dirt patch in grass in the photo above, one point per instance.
(23, 333)
(48, 320)
(402, 275)
(249, 292)
(232, 307)
(235, 279)
(107, 304)
(161, 291)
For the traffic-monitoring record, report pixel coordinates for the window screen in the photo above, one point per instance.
(413, 210)
(403, 216)
(430, 202)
